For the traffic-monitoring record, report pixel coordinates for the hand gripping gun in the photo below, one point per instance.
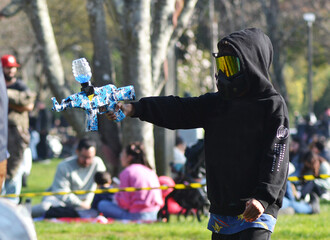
(94, 100)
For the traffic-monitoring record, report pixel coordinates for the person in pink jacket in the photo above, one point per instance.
(138, 205)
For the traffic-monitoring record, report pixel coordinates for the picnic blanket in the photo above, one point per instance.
(99, 219)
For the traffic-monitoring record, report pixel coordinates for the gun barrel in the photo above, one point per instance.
(104, 100)
(125, 93)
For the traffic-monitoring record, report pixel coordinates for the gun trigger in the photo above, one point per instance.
(90, 97)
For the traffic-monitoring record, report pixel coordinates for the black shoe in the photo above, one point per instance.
(315, 203)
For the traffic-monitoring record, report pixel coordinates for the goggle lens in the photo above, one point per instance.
(229, 65)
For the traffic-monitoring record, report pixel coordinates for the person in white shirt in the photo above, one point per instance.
(74, 173)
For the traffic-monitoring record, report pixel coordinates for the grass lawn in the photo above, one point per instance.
(295, 227)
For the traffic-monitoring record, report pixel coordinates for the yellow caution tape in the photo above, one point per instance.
(308, 177)
(132, 189)
(110, 190)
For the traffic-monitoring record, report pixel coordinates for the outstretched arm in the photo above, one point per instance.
(172, 112)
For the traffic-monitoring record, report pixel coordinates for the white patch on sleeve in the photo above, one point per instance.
(282, 133)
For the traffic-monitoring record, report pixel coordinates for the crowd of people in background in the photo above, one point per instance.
(309, 155)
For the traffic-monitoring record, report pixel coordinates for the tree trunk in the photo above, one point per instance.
(271, 10)
(143, 54)
(142, 57)
(37, 12)
(136, 56)
(165, 138)
(161, 35)
(102, 72)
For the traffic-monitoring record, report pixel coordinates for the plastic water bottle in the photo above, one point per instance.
(81, 70)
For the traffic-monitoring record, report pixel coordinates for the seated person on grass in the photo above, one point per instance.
(73, 173)
(138, 205)
(103, 181)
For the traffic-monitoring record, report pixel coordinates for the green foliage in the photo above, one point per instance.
(295, 86)
(295, 75)
(71, 27)
(321, 88)
(116, 61)
(324, 102)
(72, 31)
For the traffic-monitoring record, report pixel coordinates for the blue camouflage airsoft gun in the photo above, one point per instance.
(94, 100)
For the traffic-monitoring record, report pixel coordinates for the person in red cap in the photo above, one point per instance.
(21, 101)
(10, 66)
(9, 61)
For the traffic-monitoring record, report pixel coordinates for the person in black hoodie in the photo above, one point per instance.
(246, 136)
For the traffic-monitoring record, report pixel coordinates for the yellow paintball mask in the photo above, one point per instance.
(229, 65)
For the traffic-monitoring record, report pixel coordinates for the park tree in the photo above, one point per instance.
(147, 29)
(37, 12)
(284, 24)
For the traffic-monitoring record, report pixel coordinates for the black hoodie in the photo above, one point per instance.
(246, 138)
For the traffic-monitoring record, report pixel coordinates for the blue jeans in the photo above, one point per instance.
(13, 186)
(290, 201)
(112, 210)
(298, 206)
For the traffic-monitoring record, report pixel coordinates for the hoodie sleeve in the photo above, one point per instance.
(273, 170)
(174, 112)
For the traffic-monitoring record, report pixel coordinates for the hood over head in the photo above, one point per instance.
(255, 52)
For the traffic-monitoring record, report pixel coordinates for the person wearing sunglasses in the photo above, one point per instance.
(246, 136)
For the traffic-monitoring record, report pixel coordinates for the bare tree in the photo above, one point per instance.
(272, 12)
(37, 12)
(282, 20)
(102, 72)
(147, 32)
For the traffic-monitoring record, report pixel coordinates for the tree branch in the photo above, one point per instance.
(162, 31)
(12, 8)
(115, 11)
(182, 23)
